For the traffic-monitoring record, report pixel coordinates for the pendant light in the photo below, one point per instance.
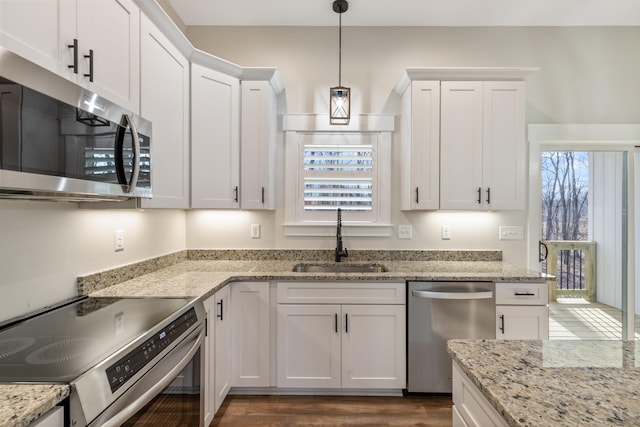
(340, 96)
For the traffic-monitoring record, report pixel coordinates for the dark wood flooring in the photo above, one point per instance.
(263, 411)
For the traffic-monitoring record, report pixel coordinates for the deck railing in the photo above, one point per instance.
(574, 265)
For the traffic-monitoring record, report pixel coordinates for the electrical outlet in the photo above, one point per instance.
(255, 231)
(446, 232)
(510, 232)
(405, 232)
(118, 240)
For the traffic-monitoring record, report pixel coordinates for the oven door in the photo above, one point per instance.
(170, 394)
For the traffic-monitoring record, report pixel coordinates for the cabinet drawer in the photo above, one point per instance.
(320, 292)
(522, 293)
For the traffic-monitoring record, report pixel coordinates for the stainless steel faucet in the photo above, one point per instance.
(340, 251)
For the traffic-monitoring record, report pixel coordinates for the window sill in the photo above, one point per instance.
(329, 229)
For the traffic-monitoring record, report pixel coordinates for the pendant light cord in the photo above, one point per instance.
(340, 50)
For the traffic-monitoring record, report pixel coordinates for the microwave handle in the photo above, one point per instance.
(125, 122)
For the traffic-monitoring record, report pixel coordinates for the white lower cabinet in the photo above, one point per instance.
(522, 311)
(53, 418)
(470, 407)
(332, 345)
(217, 371)
(250, 343)
(222, 334)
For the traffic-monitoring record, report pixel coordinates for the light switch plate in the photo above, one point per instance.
(118, 240)
(446, 232)
(405, 232)
(510, 232)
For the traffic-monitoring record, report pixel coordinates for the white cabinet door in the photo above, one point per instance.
(215, 143)
(482, 145)
(33, 30)
(471, 408)
(522, 322)
(309, 345)
(165, 101)
(373, 346)
(461, 145)
(258, 145)
(222, 321)
(421, 146)
(209, 361)
(504, 145)
(250, 344)
(111, 30)
(44, 31)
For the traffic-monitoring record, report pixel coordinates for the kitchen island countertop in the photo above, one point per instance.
(555, 383)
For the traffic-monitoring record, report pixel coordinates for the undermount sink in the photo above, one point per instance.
(339, 268)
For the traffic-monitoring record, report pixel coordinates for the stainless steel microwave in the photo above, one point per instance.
(59, 141)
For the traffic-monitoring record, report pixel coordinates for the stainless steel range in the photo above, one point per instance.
(119, 356)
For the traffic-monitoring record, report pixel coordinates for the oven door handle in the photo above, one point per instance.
(127, 412)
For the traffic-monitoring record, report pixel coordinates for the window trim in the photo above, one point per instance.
(297, 126)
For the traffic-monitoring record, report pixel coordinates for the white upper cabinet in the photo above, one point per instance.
(93, 43)
(461, 145)
(165, 101)
(482, 142)
(109, 32)
(420, 175)
(258, 145)
(503, 148)
(215, 141)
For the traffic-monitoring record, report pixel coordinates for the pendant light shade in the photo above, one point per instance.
(340, 96)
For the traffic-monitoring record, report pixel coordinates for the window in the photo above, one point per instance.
(338, 176)
(327, 170)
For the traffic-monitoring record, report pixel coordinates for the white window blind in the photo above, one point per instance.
(338, 176)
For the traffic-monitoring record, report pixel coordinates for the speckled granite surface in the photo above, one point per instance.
(21, 404)
(203, 278)
(201, 272)
(282, 261)
(555, 383)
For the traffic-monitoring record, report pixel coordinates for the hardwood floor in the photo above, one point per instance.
(262, 411)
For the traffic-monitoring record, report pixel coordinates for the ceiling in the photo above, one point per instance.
(410, 12)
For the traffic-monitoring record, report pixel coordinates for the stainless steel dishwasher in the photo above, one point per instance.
(437, 312)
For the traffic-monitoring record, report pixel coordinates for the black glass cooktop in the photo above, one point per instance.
(60, 345)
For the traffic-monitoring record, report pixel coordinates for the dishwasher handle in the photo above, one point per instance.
(452, 295)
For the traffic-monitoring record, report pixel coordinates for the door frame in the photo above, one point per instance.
(612, 138)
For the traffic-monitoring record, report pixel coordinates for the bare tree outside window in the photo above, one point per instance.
(565, 192)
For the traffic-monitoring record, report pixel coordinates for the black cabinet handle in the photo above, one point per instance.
(479, 195)
(502, 323)
(74, 46)
(488, 196)
(263, 195)
(524, 294)
(90, 57)
(346, 323)
(221, 315)
(235, 194)
(336, 321)
(417, 195)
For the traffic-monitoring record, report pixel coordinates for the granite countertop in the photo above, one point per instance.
(199, 273)
(22, 404)
(555, 383)
(203, 277)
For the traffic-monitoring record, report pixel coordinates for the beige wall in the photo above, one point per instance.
(44, 246)
(588, 74)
